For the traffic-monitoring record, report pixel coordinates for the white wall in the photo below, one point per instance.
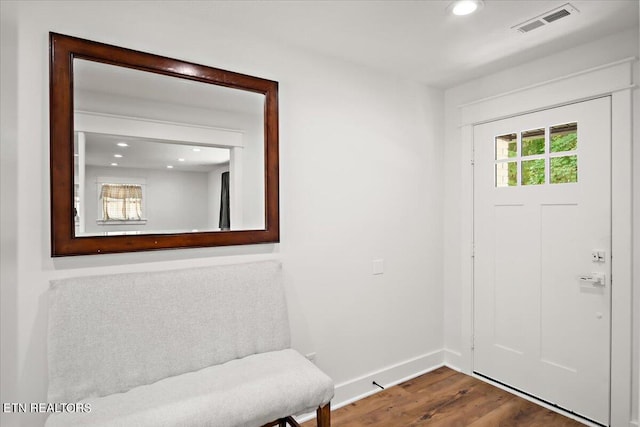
(612, 48)
(636, 246)
(361, 179)
(8, 214)
(173, 200)
(253, 176)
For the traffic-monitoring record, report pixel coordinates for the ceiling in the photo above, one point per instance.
(142, 153)
(417, 39)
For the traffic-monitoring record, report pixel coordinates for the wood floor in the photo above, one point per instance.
(445, 398)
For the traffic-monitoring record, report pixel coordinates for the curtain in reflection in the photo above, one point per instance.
(225, 221)
(121, 201)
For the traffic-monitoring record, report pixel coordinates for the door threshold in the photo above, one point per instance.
(538, 401)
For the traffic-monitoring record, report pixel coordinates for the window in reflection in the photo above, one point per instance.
(121, 202)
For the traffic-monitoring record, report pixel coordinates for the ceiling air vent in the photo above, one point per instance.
(531, 26)
(546, 18)
(556, 15)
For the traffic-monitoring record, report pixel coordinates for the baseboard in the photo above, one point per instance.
(453, 359)
(361, 387)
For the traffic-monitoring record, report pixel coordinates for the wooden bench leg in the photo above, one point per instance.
(323, 416)
(323, 419)
(290, 421)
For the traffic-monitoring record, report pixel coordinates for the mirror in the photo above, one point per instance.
(172, 138)
(149, 152)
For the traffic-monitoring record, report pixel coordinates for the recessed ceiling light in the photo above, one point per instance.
(114, 164)
(122, 144)
(169, 167)
(117, 155)
(465, 7)
(196, 149)
(181, 160)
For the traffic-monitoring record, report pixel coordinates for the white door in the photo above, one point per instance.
(542, 232)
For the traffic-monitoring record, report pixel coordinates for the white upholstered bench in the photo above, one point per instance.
(197, 347)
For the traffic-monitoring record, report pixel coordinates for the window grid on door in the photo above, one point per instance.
(537, 156)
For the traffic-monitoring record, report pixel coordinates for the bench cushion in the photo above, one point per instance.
(109, 334)
(247, 392)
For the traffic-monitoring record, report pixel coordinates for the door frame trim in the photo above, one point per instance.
(615, 80)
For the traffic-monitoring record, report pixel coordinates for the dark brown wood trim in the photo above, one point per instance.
(323, 415)
(63, 49)
(291, 422)
(323, 419)
(283, 422)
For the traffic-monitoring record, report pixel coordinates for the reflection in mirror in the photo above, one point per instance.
(193, 152)
(149, 152)
(177, 187)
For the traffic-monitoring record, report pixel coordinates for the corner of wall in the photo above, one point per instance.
(8, 214)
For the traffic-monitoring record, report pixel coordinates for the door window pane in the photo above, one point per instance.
(506, 146)
(533, 142)
(564, 137)
(507, 174)
(533, 172)
(529, 158)
(563, 169)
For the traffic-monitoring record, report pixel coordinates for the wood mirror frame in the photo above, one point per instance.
(64, 242)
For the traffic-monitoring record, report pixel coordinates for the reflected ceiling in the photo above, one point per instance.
(103, 150)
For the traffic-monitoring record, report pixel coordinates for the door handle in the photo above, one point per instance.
(595, 279)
